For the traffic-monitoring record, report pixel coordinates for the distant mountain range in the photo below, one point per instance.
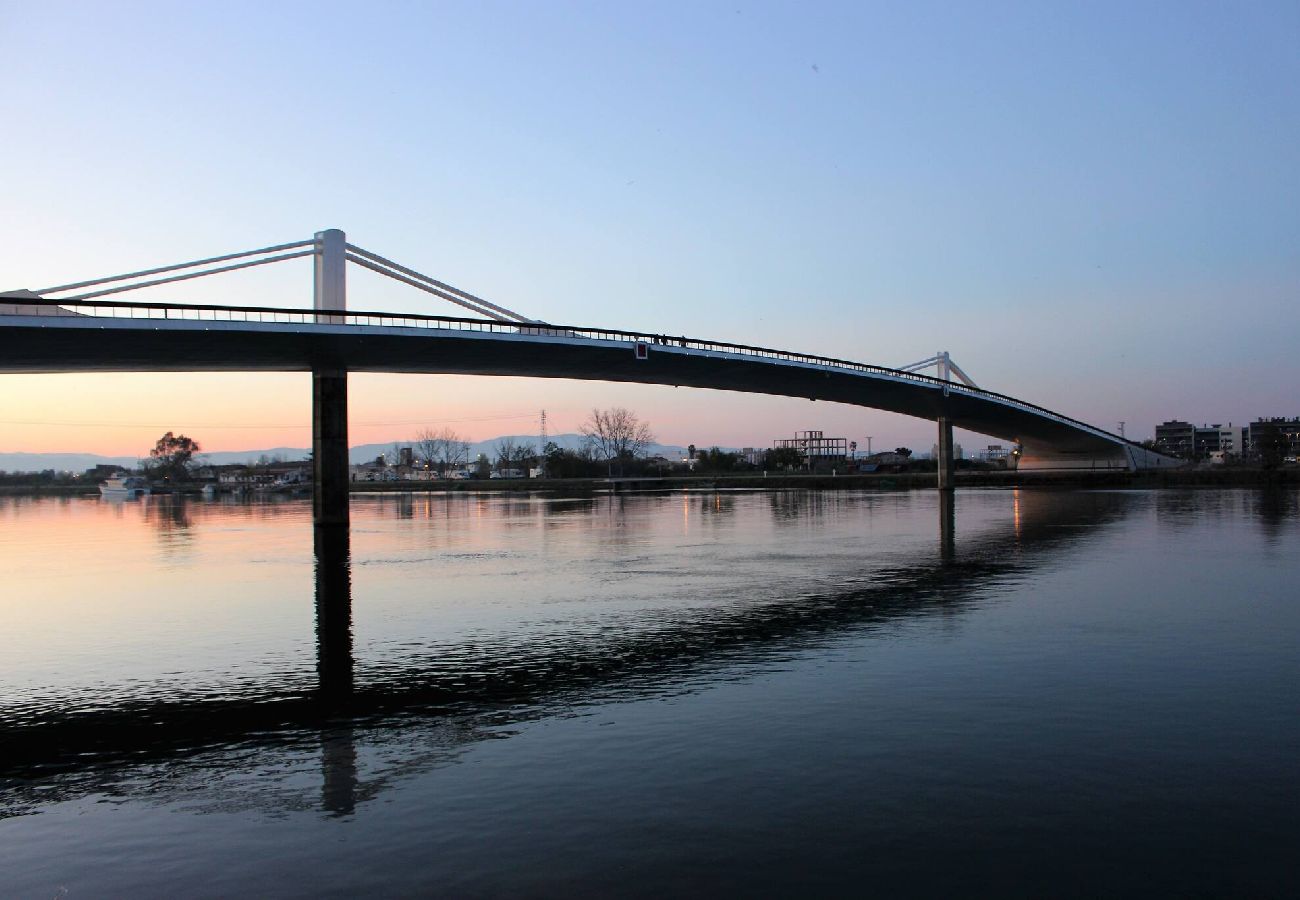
(79, 462)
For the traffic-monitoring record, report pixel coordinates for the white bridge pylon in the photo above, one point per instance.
(945, 366)
(331, 252)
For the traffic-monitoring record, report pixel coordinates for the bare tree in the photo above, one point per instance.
(442, 448)
(523, 456)
(427, 442)
(616, 434)
(454, 453)
(511, 454)
(506, 449)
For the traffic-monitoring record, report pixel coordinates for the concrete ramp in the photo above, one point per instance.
(1118, 457)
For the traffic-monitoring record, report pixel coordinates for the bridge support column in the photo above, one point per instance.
(944, 461)
(329, 446)
(329, 389)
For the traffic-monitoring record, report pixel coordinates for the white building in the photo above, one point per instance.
(1232, 439)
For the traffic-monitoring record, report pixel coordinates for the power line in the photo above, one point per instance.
(173, 425)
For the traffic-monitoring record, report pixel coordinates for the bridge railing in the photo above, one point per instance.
(372, 319)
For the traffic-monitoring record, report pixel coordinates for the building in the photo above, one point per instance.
(374, 470)
(816, 451)
(1187, 441)
(1263, 433)
(1205, 439)
(957, 452)
(1209, 439)
(272, 474)
(296, 472)
(1226, 442)
(1229, 440)
(1176, 438)
(1232, 439)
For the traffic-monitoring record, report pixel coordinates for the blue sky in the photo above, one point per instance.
(1095, 207)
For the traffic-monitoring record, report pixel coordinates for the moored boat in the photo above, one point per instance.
(123, 487)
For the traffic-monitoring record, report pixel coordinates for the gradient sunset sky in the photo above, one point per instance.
(1094, 207)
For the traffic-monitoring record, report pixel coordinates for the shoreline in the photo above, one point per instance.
(1171, 478)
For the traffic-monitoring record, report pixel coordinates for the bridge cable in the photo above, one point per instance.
(189, 265)
(375, 257)
(424, 287)
(184, 277)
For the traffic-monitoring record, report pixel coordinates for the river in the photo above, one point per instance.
(1023, 692)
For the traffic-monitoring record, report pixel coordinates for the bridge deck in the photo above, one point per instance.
(106, 336)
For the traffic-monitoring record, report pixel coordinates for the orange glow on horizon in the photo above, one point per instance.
(123, 414)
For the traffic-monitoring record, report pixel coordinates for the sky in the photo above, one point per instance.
(1094, 207)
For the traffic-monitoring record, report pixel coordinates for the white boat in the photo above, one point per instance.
(123, 487)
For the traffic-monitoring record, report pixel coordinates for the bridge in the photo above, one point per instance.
(83, 332)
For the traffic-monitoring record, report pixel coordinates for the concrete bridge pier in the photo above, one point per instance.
(329, 446)
(945, 460)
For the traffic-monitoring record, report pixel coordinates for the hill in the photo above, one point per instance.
(79, 462)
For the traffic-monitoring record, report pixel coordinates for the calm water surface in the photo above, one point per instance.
(1037, 692)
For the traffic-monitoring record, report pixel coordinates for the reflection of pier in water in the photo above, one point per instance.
(948, 527)
(333, 551)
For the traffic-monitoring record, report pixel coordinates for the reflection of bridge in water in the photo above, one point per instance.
(84, 333)
(426, 692)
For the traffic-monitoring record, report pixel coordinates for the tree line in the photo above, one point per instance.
(613, 438)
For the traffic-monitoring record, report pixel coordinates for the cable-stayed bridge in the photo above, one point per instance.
(76, 328)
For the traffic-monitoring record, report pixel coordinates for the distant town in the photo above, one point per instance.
(443, 455)
(1266, 441)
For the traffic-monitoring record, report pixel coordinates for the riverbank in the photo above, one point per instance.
(1235, 477)
(1217, 477)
